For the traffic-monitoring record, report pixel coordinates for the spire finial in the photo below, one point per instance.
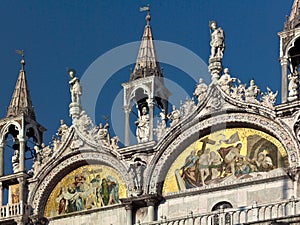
(148, 17)
(21, 52)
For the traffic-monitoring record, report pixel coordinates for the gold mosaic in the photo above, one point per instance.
(233, 153)
(87, 187)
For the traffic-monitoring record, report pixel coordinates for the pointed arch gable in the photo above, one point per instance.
(165, 157)
(42, 189)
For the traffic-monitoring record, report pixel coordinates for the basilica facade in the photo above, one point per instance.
(228, 156)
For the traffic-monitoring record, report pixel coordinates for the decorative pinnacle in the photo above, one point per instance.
(148, 17)
(21, 52)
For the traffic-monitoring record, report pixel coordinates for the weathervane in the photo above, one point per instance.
(21, 52)
(144, 9)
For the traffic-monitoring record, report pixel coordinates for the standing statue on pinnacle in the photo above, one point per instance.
(217, 40)
(75, 87)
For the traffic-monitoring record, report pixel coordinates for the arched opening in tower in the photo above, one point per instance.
(294, 57)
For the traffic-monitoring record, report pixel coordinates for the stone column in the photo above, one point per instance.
(284, 83)
(1, 159)
(151, 114)
(151, 209)
(1, 194)
(127, 125)
(128, 208)
(22, 154)
(22, 189)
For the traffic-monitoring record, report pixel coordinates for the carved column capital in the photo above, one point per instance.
(283, 61)
(126, 108)
(150, 102)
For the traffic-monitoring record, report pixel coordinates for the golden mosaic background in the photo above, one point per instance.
(170, 184)
(90, 172)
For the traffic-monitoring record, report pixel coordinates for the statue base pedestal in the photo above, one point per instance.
(75, 110)
(292, 98)
(215, 68)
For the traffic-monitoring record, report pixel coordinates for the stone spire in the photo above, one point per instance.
(21, 100)
(293, 20)
(147, 62)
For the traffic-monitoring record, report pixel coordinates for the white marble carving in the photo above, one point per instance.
(252, 92)
(15, 161)
(269, 98)
(75, 87)
(187, 107)
(217, 40)
(226, 81)
(174, 116)
(142, 123)
(62, 131)
(238, 92)
(200, 91)
(103, 134)
(115, 143)
(76, 142)
(161, 128)
(293, 87)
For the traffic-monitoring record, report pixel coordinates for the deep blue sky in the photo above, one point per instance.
(71, 34)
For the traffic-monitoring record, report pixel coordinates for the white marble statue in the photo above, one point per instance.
(226, 81)
(142, 123)
(200, 90)
(174, 116)
(252, 92)
(188, 106)
(15, 161)
(103, 134)
(238, 91)
(75, 87)
(293, 87)
(161, 128)
(217, 40)
(115, 143)
(62, 131)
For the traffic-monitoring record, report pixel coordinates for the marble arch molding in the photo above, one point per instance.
(166, 155)
(40, 191)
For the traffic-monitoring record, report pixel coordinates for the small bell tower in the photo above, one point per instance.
(290, 55)
(19, 133)
(146, 89)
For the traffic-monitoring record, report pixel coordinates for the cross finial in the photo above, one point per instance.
(21, 52)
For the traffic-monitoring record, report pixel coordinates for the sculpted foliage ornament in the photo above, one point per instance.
(238, 91)
(187, 107)
(269, 98)
(216, 102)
